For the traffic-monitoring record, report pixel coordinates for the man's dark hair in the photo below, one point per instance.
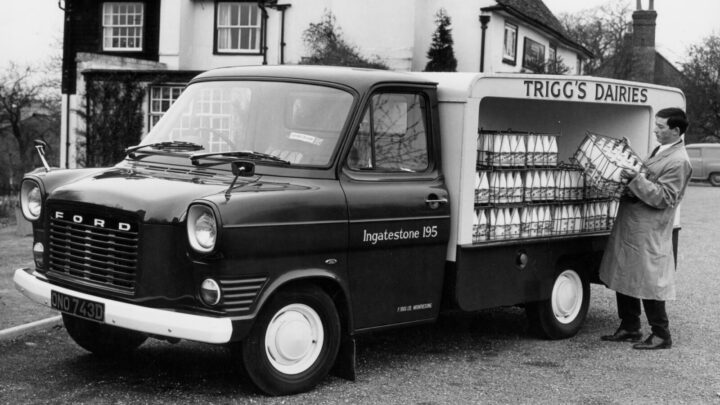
(676, 118)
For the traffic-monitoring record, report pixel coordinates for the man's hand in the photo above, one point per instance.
(628, 174)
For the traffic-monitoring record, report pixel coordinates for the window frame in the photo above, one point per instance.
(528, 45)
(428, 172)
(216, 30)
(152, 114)
(552, 53)
(507, 58)
(141, 27)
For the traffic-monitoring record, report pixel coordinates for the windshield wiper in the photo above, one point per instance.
(179, 146)
(238, 154)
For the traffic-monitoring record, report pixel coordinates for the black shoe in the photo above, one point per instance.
(622, 335)
(654, 343)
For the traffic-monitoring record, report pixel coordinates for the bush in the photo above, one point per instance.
(327, 47)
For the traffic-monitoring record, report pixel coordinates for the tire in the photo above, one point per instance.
(293, 343)
(562, 315)
(101, 339)
(714, 179)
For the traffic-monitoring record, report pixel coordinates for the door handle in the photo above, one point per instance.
(434, 201)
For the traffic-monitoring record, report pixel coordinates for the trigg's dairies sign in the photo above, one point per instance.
(585, 91)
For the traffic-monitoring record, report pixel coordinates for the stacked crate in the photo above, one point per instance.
(522, 191)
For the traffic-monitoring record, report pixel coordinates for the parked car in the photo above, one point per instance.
(705, 159)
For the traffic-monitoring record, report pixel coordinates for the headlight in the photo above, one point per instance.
(201, 228)
(210, 292)
(30, 200)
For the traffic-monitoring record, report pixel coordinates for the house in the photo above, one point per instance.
(639, 60)
(162, 44)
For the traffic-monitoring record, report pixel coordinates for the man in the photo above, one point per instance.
(639, 263)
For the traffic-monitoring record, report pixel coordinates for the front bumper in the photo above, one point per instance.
(153, 321)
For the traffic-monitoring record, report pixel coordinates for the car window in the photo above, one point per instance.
(392, 136)
(712, 153)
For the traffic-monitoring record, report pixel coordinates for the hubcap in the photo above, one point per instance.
(294, 339)
(567, 296)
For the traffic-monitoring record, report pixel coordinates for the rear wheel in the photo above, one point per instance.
(714, 179)
(563, 314)
(101, 339)
(293, 343)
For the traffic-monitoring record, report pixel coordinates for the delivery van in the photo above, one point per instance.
(284, 210)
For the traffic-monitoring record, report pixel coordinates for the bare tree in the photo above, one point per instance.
(327, 46)
(602, 30)
(29, 110)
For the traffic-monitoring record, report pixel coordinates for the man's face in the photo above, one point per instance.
(663, 133)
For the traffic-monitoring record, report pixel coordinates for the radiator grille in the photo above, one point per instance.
(84, 252)
(240, 295)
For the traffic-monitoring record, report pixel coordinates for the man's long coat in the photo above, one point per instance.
(638, 259)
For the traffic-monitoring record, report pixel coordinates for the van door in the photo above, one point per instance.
(398, 212)
(696, 160)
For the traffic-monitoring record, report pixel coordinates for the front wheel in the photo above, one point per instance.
(714, 179)
(563, 314)
(293, 343)
(101, 339)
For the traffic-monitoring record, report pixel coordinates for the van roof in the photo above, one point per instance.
(358, 78)
(702, 145)
(459, 86)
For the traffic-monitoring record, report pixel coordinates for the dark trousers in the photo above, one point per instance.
(629, 312)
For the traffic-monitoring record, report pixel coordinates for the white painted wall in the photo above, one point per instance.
(399, 32)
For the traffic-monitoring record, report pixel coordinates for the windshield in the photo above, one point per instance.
(300, 123)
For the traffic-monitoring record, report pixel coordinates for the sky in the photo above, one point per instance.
(679, 24)
(30, 30)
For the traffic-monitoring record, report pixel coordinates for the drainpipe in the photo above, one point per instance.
(67, 44)
(263, 37)
(282, 8)
(484, 20)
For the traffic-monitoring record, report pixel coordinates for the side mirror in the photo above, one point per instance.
(243, 168)
(40, 146)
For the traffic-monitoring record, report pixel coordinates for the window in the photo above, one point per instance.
(161, 98)
(392, 136)
(534, 56)
(238, 27)
(552, 54)
(510, 44)
(123, 26)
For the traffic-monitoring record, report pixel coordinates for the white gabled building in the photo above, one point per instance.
(164, 43)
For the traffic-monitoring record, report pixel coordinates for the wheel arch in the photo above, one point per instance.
(712, 175)
(333, 285)
(586, 265)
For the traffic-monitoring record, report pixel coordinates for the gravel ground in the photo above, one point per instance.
(485, 357)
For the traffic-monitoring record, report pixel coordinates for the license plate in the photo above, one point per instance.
(94, 311)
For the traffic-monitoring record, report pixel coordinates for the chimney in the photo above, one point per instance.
(643, 44)
(644, 26)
